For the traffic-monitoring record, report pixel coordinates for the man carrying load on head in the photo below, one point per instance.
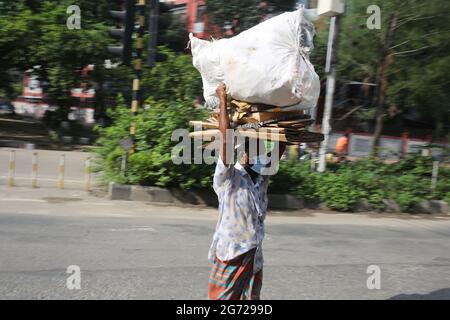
(242, 193)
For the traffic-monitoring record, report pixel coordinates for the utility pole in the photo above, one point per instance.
(136, 91)
(330, 70)
(125, 51)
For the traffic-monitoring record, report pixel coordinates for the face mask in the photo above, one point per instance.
(259, 163)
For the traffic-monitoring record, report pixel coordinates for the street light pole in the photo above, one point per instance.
(330, 71)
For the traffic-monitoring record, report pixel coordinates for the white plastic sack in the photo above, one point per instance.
(266, 64)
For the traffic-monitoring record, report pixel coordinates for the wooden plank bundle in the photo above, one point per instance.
(261, 122)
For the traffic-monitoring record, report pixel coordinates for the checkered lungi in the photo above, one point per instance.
(234, 279)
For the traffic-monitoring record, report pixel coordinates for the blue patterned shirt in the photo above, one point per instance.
(242, 210)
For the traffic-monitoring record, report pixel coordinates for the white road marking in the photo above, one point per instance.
(22, 200)
(65, 202)
(136, 229)
(41, 178)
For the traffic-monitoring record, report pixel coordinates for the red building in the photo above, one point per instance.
(34, 101)
(194, 13)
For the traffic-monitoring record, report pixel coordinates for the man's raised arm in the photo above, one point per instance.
(224, 121)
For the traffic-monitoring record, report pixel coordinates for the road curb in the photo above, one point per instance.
(161, 195)
(193, 197)
(207, 197)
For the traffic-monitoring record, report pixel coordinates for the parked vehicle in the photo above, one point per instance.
(7, 108)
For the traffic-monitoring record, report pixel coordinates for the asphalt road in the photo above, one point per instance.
(130, 250)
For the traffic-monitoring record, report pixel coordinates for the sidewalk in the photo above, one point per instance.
(47, 169)
(27, 198)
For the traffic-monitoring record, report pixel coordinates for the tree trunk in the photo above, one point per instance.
(386, 60)
(382, 82)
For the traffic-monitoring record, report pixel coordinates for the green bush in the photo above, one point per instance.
(171, 87)
(341, 187)
(152, 163)
(295, 177)
(338, 192)
(447, 198)
(174, 79)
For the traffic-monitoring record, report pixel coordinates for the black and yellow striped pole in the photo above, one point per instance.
(136, 98)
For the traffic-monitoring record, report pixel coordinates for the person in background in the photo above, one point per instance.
(342, 147)
(236, 249)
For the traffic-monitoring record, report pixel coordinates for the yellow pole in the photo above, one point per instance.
(12, 168)
(34, 170)
(61, 169)
(87, 174)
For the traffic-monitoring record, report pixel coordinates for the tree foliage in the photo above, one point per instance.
(174, 79)
(152, 163)
(63, 53)
(34, 33)
(240, 15)
(413, 58)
